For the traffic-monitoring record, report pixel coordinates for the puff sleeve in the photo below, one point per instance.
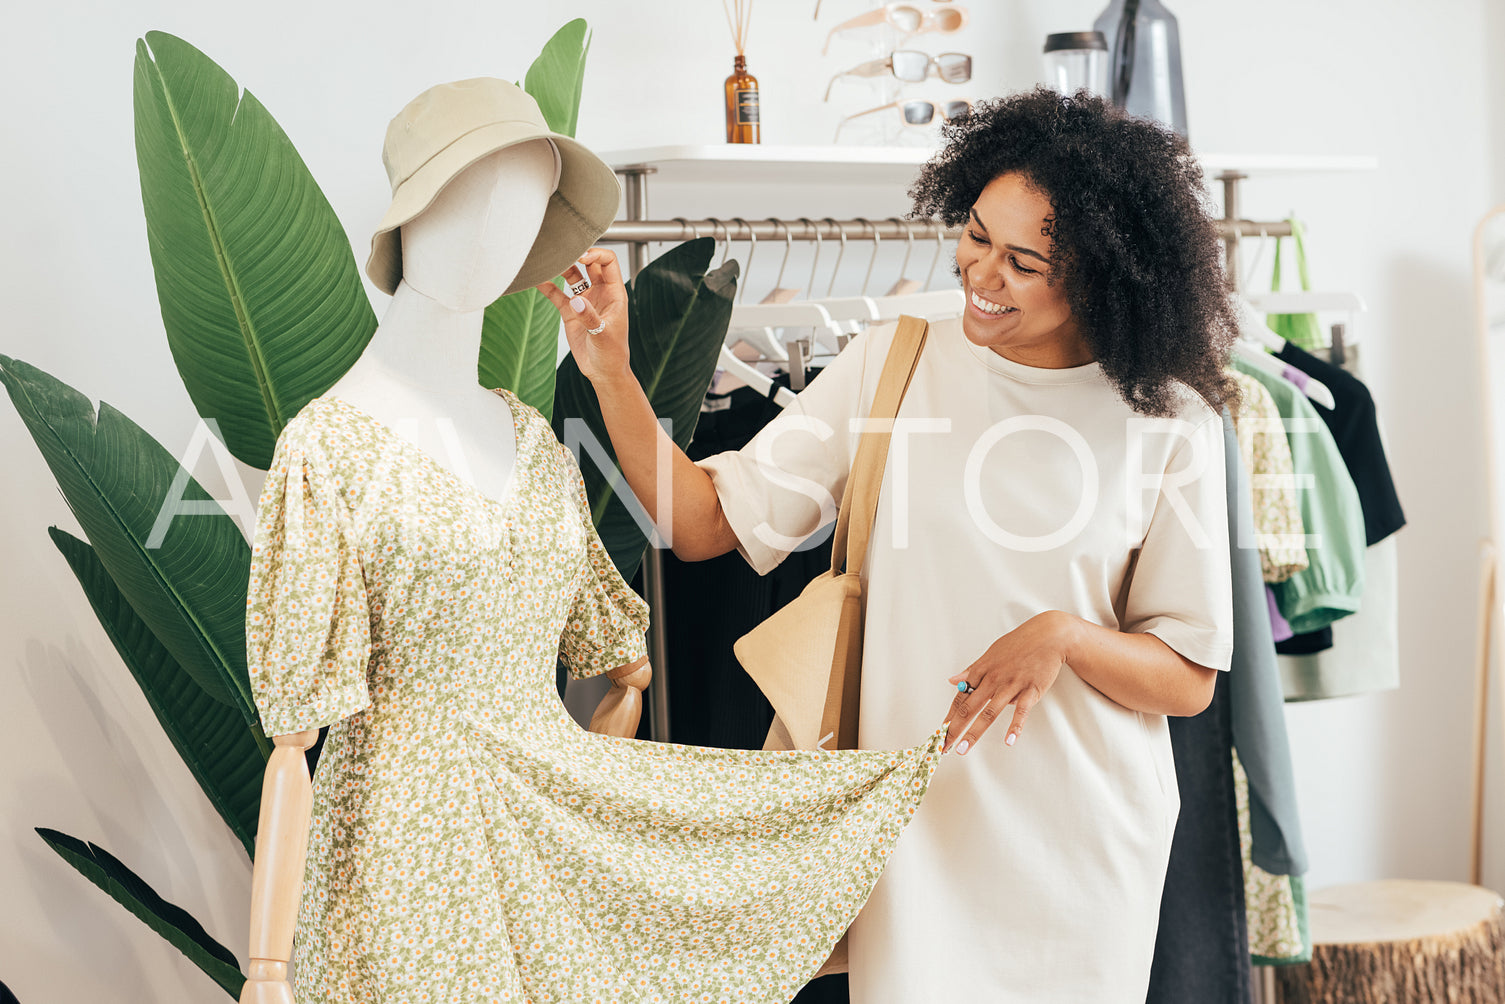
(308, 625)
(607, 622)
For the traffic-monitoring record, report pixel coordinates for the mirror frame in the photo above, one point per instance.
(1490, 642)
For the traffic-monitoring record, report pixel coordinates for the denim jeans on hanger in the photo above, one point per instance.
(1202, 945)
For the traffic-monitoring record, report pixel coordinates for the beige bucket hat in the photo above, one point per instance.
(449, 127)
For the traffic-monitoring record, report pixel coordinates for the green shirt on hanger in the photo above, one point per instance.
(1330, 588)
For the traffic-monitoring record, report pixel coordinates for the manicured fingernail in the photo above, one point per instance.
(1009, 739)
(961, 747)
(578, 304)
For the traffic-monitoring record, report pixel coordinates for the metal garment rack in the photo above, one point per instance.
(637, 231)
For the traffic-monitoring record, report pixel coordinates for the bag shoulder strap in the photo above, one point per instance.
(859, 503)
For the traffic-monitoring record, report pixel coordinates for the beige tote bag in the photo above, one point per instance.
(807, 657)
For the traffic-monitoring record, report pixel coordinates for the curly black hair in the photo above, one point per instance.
(1133, 240)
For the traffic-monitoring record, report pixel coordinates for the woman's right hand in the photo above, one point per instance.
(602, 355)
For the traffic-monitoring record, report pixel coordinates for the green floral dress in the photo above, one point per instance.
(469, 841)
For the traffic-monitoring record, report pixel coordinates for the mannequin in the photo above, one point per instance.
(418, 377)
(416, 591)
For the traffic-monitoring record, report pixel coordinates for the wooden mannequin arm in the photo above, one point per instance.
(277, 879)
(620, 709)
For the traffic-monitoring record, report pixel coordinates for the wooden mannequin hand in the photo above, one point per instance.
(1016, 669)
(622, 707)
(266, 983)
(604, 355)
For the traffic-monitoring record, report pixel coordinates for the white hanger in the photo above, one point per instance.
(1255, 336)
(854, 313)
(1314, 389)
(922, 301)
(748, 317)
(904, 285)
(761, 339)
(940, 245)
(1304, 302)
(1252, 327)
(780, 294)
(1259, 253)
(932, 305)
(826, 331)
(760, 382)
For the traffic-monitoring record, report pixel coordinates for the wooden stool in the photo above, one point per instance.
(1399, 942)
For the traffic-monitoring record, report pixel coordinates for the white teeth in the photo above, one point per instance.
(989, 307)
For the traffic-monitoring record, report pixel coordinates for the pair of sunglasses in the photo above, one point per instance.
(909, 19)
(912, 66)
(917, 112)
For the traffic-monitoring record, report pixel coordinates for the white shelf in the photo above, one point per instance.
(1256, 165)
(742, 163)
(758, 162)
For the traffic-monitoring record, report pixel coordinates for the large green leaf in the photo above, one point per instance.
(677, 315)
(223, 755)
(260, 295)
(191, 588)
(520, 335)
(170, 921)
(520, 347)
(557, 77)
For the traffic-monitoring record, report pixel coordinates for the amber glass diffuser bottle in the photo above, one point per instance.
(742, 104)
(743, 123)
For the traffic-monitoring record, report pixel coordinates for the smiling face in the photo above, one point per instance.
(1004, 264)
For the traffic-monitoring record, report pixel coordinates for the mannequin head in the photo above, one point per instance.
(465, 249)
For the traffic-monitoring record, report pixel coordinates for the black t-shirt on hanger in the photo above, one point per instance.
(1354, 424)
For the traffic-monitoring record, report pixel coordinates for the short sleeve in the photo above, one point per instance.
(308, 625)
(1181, 583)
(786, 483)
(608, 622)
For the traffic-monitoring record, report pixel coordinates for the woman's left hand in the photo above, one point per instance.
(1016, 669)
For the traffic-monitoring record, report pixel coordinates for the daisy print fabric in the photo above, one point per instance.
(469, 841)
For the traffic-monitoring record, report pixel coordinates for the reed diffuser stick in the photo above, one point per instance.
(738, 18)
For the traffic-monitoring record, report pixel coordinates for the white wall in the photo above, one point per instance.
(1383, 779)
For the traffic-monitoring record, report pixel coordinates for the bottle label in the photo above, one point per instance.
(747, 107)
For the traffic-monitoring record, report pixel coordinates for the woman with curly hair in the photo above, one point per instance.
(1051, 545)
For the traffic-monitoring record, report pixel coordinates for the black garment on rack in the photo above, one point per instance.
(1202, 942)
(1309, 643)
(1354, 423)
(712, 701)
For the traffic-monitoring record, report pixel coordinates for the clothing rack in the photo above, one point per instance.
(637, 231)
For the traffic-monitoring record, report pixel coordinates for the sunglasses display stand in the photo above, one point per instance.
(889, 117)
